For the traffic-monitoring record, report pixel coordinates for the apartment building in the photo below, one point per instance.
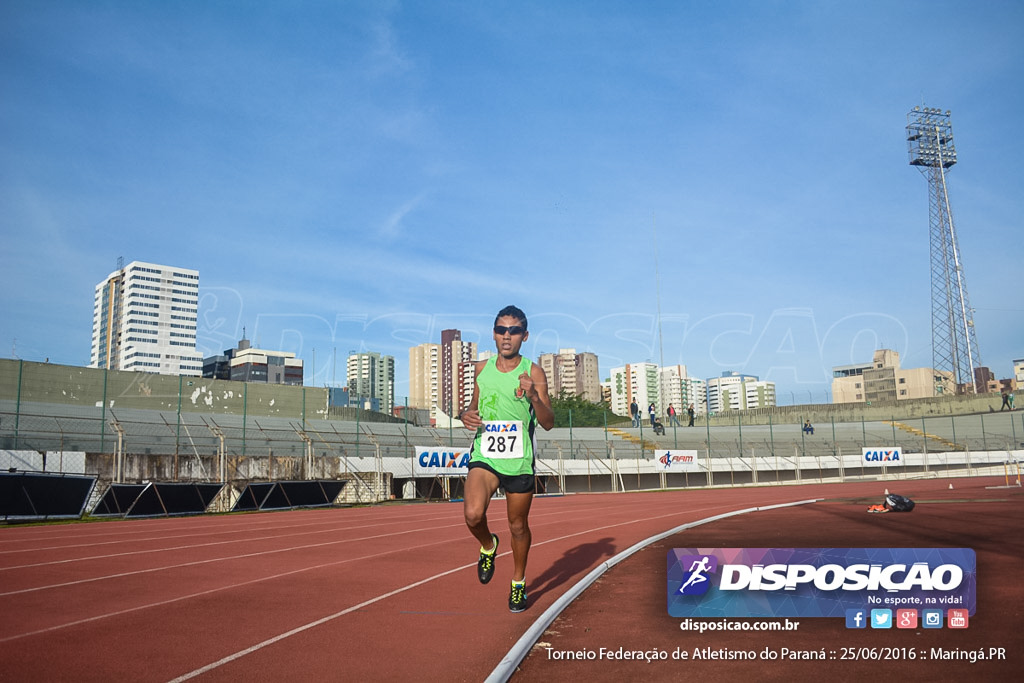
(884, 380)
(736, 391)
(571, 372)
(371, 376)
(681, 391)
(634, 381)
(442, 376)
(144, 320)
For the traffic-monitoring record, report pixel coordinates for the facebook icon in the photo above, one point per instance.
(856, 618)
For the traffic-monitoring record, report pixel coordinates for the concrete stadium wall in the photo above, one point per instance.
(25, 381)
(856, 412)
(71, 385)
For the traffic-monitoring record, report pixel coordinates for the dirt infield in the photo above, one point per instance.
(626, 608)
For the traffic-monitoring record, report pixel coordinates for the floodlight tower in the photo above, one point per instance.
(954, 345)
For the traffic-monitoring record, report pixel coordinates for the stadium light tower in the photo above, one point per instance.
(954, 345)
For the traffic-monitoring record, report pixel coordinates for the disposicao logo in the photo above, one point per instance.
(696, 580)
(818, 582)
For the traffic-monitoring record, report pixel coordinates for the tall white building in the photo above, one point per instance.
(681, 391)
(636, 381)
(735, 391)
(371, 375)
(144, 319)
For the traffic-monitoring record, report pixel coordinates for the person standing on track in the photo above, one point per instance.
(509, 400)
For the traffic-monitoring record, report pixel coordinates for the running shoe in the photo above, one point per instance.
(878, 508)
(485, 566)
(517, 597)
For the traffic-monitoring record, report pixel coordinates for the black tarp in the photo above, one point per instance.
(164, 499)
(282, 495)
(117, 500)
(39, 495)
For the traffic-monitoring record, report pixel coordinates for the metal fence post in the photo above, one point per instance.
(245, 412)
(739, 427)
(17, 409)
(984, 441)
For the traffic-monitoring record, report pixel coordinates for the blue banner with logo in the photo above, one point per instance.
(434, 461)
(817, 582)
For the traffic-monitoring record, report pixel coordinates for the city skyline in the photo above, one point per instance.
(720, 186)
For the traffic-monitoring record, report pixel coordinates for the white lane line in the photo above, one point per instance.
(506, 667)
(241, 540)
(218, 559)
(219, 531)
(150, 551)
(270, 641)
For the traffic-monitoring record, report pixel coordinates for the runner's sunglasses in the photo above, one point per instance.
(501, 330)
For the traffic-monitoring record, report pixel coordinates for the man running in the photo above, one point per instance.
(509, 400)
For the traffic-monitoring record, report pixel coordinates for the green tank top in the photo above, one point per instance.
(497, 400)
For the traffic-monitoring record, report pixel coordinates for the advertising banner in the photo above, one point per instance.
(676, 461)
(434, 461)
(819, 582)
(882, 457)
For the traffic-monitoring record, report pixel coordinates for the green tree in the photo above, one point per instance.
(584, 413)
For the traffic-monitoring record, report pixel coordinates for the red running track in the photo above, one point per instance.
(358, 594)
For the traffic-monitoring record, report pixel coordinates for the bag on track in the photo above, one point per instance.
(898, 503)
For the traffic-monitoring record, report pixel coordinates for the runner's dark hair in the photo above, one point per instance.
(514, 312)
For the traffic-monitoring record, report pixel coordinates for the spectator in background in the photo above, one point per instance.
(673, 420)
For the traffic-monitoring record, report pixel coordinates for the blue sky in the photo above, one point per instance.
(361, 175)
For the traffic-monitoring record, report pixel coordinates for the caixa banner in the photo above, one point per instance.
(432, 461)
(880, 457)
(817, 582)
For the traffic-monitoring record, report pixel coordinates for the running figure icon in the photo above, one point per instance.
(697, 571)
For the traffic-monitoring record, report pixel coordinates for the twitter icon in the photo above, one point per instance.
(881, 618)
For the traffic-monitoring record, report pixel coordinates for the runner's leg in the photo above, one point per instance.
(518, 523)
(480, 486)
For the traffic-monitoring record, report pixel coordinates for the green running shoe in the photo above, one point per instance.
(485, 566)
(517, 597)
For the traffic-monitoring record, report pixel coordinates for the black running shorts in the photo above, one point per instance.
(521, 483)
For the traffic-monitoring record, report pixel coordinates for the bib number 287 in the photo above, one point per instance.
(502, 439)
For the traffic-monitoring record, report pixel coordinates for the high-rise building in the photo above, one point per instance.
(424, 376)
(144, 319)
(442, 376)
(681, 391)
(736, 391)
(883, 380)
(371, 375)
(457, 372)
(574, 373)
(636, 381)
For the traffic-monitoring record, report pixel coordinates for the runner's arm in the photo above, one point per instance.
(536, 386)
